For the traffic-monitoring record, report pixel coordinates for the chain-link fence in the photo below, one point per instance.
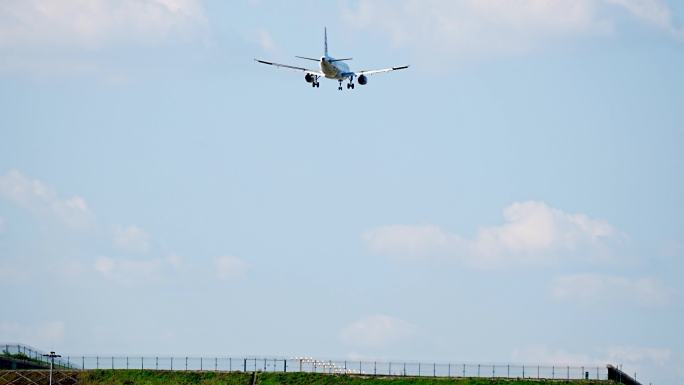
(311, 365)
(28, 353)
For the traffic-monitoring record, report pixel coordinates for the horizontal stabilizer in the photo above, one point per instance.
(306, 58)
(334, 60)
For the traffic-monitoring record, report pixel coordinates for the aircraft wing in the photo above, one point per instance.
(308, 71)
(382, 71)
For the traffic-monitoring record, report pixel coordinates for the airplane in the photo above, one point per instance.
(331, 68)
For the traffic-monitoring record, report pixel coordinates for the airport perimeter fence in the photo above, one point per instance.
(21, 351)
(311, 365)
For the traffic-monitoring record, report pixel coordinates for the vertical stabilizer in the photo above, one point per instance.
(325, 40)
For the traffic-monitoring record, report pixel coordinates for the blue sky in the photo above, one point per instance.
(515, 196)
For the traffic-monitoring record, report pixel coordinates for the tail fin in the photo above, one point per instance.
(325, 40)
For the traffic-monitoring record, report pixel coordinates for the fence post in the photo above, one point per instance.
(493, 370)
(389, 370)
(404, 368)
(83, 363)
(478, 370)
(359, 367)
(216, 364)
(449, 370)
(112, 363)
(97, 362)
(171, 363)
(508, 371)
(186, 364)
(434, 369)
(156, 363)
(285, 365)
(375, 368)
(245, 365)
(553, 372)
(419, 369)
(142, 363)
(523, 371)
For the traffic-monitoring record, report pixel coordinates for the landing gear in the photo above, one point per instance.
(350, 85)
(313, 79)
(340, 87)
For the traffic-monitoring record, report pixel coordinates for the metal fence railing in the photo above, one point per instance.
(311, 365)
(20, 351)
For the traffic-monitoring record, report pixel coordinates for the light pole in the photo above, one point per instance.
(52, 357)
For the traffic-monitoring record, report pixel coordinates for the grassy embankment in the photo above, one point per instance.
(147, 377)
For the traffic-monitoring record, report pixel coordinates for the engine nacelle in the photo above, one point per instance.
(309, 78)
(363, 80)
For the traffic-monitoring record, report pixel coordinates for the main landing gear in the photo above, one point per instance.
(350, 85)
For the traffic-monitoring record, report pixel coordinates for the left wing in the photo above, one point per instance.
(308, 71)
(382, 71)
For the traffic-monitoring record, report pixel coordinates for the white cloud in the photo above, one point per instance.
(376, 331)
(44, 335)
(266, 41)
(131, 239)
(229, 267)
(458, 29)
(41, 199)
(599, 289)
(533, 232)
(654, 12)
(91, 23)
(127, 271)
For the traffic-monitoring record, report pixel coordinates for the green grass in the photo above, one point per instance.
(149, 377)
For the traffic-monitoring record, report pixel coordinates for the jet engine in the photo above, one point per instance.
(309, 78)
(363, 80)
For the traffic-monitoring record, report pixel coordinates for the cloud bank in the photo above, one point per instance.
(91, 23)
(532, 233)
(462, 29)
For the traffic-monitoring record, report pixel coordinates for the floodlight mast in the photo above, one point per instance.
(52, 357)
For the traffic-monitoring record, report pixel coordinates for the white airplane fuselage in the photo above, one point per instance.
(334, 69)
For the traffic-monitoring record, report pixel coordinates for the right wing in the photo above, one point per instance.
(384, 70)
(308, 71)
